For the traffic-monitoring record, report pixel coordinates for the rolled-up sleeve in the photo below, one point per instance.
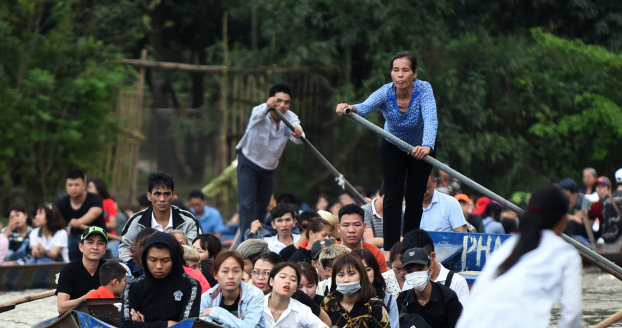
(428, 112)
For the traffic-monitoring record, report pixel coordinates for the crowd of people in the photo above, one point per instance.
(344, 263)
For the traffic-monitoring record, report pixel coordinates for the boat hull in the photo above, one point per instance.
(29, 276)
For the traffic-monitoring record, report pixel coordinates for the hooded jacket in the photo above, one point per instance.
(175, 297)
(182, 220)
(250, 308)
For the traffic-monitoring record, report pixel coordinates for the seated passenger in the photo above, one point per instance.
(48, 241)
(164, 295)
(436, 304)
(232, 302)
(280, 309)
(283, 222)
(112, 277)
(352, 302)
(421, 239)
(260, 277)
(441, 212)
(79, 277)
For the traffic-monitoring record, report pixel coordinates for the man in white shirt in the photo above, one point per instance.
(441, 212)
(259, 152)
(421, 239)
(283, 222)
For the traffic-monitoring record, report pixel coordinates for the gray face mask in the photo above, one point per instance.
(348, 289)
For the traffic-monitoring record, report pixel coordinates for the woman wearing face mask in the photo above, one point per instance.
(530, 272)
(352, 302)
(373, 272)
(308, 281)
(280, 309)
(436, 304)
(317, 229)
(231, 302)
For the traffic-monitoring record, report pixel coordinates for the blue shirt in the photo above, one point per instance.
(417, 126)
(210, 221)
(492, 226)
(443, 214)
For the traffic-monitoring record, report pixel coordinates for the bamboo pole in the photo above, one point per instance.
(610, 321)
(587, 253)
(223, 97)
(10, 305)
(322, 159)
(217, 68)
(137, 124)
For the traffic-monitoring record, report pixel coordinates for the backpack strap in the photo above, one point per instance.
(450, 276)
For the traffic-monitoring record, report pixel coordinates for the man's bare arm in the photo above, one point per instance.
(64, 304)
(461, 229)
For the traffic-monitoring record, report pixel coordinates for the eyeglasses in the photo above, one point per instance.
(256, 273)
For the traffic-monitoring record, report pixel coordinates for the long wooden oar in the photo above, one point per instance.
(587, 253)
(110, 236)
(10, 305)
(339, 177)
(610, 321)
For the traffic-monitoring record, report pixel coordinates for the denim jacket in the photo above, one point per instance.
(250, 308)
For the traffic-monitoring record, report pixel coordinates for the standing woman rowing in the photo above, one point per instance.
(409, 109)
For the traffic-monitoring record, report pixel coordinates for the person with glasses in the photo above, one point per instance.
(260, 275)
(161, 215)
(232, 302)
(259, 152)
(394, 278)
(49, 240)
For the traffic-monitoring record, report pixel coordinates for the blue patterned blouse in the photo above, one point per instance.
(417, 126)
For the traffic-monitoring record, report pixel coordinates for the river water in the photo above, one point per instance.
(601, 299)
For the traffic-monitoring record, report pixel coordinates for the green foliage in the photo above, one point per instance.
(57, 88)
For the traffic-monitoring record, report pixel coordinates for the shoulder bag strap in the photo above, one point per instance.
(450, 276)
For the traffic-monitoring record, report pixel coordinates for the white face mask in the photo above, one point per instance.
(348, 289)
(419, 280)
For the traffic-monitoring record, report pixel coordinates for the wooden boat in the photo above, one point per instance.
(612, 252)
(20, 277)
(101, 313)
(465, 253)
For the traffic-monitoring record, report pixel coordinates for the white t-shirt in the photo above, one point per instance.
(57, 239)
(297, 315)
(276, 245)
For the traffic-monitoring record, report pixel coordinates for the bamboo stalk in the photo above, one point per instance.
(217, 68)
(29, 298)
(610, 321)
(587, 253)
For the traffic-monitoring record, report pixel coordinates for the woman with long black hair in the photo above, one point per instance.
(409, 109)
(530, 272)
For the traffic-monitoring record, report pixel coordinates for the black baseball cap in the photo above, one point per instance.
(415, 256)
(568, 184)
(320, 245)
(94, 230)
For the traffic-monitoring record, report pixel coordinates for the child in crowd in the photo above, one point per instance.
(280, 309)
(326, 261)
(112, 277)
(191, 256)
(136, 249)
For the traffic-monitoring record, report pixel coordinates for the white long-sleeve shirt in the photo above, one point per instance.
(263, 143)
(524, 295)
(297, 315)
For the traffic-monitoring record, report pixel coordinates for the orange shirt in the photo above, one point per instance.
(378, 254)
(101, 292)
(199, 277)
